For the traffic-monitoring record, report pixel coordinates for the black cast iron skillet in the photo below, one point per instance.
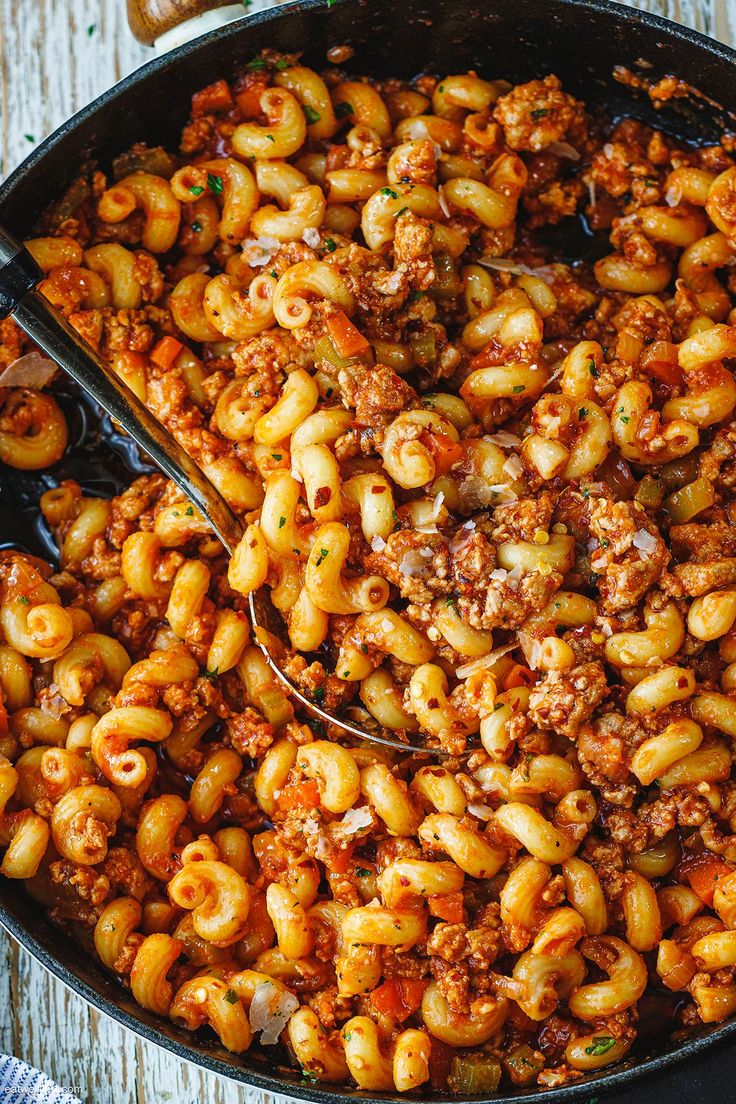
(580, 40)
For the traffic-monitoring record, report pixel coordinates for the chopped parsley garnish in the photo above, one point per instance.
(189, 512)
(331, 245)
(601, 1045)
(196, 189)
(24, 601)
(196, 227)
(343, 109)
(210, 675)
(519, 388)
(214, 183)
(274, 273)
(583, 412)
(282, 522)
(30, 137)
(271, 138)
(91, 29)
(401, 212)
(281, 64)
(592, 368)
(415, 296)
(231, 996)
(319, 694)
(323, 554)
(311, 115)
(625, 419)
(540, 112)
(389, 192)
(257, 63)
(361, 872)
(276, 456)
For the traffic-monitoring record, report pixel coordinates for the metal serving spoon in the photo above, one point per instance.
(19, 297)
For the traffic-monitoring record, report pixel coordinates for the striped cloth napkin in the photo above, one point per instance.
(20, 1084)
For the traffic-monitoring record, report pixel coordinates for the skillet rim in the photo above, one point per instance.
(201, 1056)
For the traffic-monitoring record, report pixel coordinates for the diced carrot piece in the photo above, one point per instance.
(249, 92)
(347, 340)
(445, 452)
(166, 351)
(518, 676)
(301, 795)
(215, 97)
(704, 878)
(447, 906)
(399, 997)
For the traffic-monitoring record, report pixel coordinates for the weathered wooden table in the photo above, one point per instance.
(55, 56)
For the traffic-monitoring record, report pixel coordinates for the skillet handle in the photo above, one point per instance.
(154, 20)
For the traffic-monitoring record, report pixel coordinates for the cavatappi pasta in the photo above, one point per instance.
(492, 496)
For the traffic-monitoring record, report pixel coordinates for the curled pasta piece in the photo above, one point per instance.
(385, 631)
(123, 765)
(223, 177)
(153, 195)
(208, 1000)
(368, 1065)
(292, 309)
(457, 1029)
(42, 434)
(218, 896)
(306, 210)
(82, 821)
(335, 771)
(627, 979)
(541, 838)
(325, 582)
(281, 136)
(545, 980)
(318, 1052)
(149, 982)
(239, 314)
(471, 851)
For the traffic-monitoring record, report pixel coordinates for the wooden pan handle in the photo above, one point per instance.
(149, 19)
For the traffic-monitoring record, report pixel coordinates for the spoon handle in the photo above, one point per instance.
(60, 341)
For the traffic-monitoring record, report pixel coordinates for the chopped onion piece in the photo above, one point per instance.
(482, 812)
(482, 662)
(270, 1011)
(378, 543)
(503, 439)
(563, 149)
(259, 251)
(513, 467)
(506, 264)
(31, 370)
(355, 819)
(414, 562)
(644, 541)
(311, 237)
